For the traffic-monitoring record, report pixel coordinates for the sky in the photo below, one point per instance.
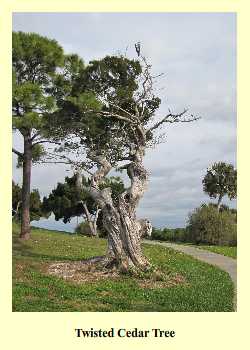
(197, 54)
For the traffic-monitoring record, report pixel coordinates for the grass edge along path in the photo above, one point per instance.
(230, 252)
(225, 263)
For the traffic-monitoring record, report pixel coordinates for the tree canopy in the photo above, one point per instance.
(220, 180)
(101, 109)
(65, 201)
(42, 74)
(35, 61)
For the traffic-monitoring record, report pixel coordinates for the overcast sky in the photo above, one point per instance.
(197, 53)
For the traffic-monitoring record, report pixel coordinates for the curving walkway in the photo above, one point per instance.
(223, 262)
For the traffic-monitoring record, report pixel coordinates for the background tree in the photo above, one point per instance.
(38, 83)
(69, 200)
(220, 180)
(35, 203)
(209, 226)
(111, 115)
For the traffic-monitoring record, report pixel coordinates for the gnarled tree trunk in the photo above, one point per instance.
(119, 219)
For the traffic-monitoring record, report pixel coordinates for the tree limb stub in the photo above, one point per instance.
(19, 154)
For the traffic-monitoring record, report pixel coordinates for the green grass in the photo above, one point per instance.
(224, 250)
(207, 287)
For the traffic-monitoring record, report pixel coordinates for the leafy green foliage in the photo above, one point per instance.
(35, 57)
(209, 226)
(112, 76)
(221, 180)
(35, 60)
(108, 85)
(116, 184)
(38, 152)
(65, 200)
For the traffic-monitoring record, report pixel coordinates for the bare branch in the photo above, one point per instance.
(19, 154)
(123, 110)
(117, 116)
(173, 118)
(65, 160)
(46, 141)
(34, 136)
(147, 82)
(122, 167)
(53, 162)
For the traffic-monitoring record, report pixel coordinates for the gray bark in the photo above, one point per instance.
(219, 202)
(16, 210)
(119, 220)
(92, 222)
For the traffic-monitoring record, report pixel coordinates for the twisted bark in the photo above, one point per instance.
(119, 219)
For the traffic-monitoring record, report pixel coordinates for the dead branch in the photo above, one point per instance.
(45, 141)
(173, 118)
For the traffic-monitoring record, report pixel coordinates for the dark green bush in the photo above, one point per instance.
(83, 229)
(209, 226)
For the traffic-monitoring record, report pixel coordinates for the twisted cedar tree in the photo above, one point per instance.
(110, 118)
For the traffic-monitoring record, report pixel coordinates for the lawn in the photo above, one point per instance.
(224, 250)
(203, 287)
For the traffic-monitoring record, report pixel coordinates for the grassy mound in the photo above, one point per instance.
(190, 285)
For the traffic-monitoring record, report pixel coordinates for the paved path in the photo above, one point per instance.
(223, 262)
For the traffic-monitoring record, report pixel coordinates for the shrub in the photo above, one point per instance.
(83, 229)
(156, 234)
(210, 226)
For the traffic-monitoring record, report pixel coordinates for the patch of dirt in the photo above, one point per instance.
(92, 271)
(79, 272)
